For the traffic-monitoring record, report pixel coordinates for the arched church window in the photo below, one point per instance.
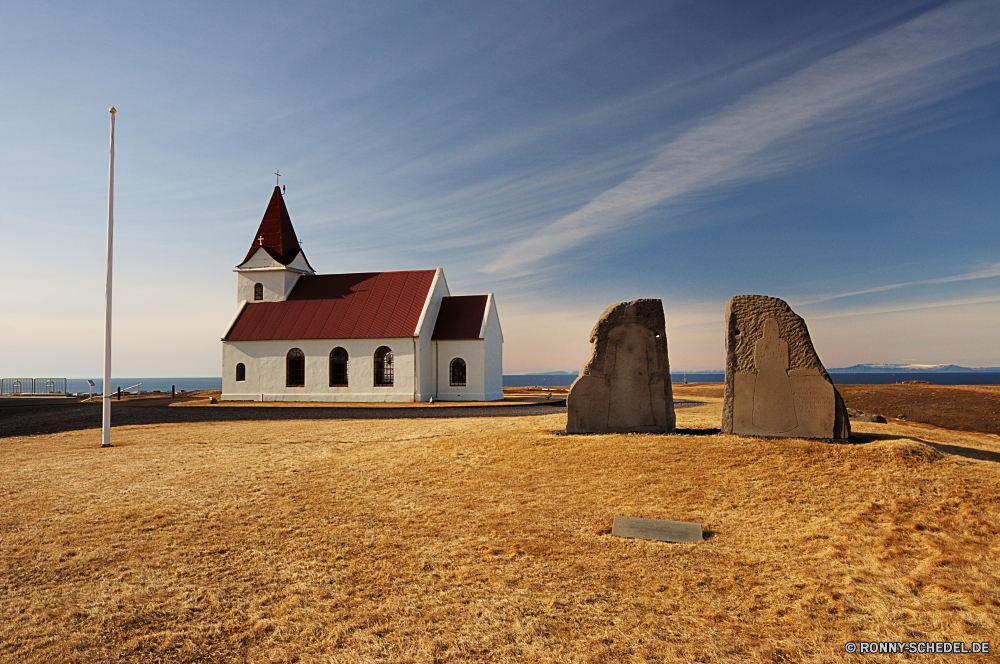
(258, 291)
(457, 373)
(338, 367)
(241, 372)
(383, 366)
(295, 368)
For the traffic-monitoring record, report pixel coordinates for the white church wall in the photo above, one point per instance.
(473, 352)
(277, 284)
(425, 330)
(493, 351)
(265, 370)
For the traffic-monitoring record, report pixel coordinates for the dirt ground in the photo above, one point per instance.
(957, 407)
(487, 539)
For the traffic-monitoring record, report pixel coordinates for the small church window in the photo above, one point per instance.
(383, 366)
(338, 367)
(258, 291)
(457, 373)
(241, 373)
(295, 368)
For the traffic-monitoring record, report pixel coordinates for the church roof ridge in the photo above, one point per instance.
(360, 305)
(275, 233)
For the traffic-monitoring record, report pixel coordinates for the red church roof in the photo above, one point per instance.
(460, 317)
(275, 233)
(340, 306)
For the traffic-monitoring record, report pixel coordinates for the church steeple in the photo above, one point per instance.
(275, 234)
(275, 261)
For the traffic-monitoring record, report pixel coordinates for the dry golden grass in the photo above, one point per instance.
(488, 540)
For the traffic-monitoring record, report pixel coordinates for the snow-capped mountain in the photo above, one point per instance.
(900, 368)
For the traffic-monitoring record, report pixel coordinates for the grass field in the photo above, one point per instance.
(488, 539)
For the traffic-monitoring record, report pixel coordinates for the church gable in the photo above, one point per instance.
(461, 317)
(259, 259)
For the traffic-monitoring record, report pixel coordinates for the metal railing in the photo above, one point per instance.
(13, 387)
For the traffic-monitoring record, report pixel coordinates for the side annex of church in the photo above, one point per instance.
(364, 337)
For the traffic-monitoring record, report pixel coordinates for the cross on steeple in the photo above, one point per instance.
(277, 176)
(275, 236)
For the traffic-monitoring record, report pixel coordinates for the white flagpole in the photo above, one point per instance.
(106, 437)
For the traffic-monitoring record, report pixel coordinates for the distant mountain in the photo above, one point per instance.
(916, 368)
(857, 368)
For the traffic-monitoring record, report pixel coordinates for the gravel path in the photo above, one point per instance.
(33, 421)
(30, 421)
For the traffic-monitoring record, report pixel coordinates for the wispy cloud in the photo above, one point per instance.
(988, 272)
(878, 311)
(858, 90)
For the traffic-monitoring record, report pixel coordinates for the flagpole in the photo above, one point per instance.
(106, 433)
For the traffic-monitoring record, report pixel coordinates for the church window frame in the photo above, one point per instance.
(339, 361)
(295, 368)
(457, 372)
(258, 291)
(241, 372)
(384, 371)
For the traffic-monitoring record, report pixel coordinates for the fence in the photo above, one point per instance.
(12, 387)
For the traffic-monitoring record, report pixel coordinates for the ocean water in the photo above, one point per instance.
(964, 378)
(80, 386)
(969, 378)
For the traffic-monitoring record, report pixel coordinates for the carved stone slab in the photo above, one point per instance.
(656, 529)
(775, 382)
(625, 385)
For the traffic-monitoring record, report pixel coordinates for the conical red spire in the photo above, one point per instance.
(275, 233)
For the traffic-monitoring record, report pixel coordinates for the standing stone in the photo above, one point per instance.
(625, 385)
(775, 382)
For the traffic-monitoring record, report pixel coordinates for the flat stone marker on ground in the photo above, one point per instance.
(775, 383)
(625, 385)
(656, 529)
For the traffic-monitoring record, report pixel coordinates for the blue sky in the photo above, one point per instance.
(565, 156)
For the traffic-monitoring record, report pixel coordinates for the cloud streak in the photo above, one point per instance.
(988, 272)
(878, 311)
(852, 92)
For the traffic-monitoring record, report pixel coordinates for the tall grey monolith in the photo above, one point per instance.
(775, 382)
(625, 385)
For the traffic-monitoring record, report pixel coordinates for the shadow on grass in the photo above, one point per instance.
(677, 432)
(954, 450)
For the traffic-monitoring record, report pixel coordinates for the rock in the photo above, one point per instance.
(858, 416)
(776, 384)
(625, 385)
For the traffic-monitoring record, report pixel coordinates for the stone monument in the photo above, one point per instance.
(625, 385)
(775, 382)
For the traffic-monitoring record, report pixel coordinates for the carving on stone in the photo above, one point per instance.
(773, 405)
(625, 385)
(775, 382)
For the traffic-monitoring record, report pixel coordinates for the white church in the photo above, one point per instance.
(371, 336)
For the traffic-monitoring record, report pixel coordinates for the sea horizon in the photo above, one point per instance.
(554, 379)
